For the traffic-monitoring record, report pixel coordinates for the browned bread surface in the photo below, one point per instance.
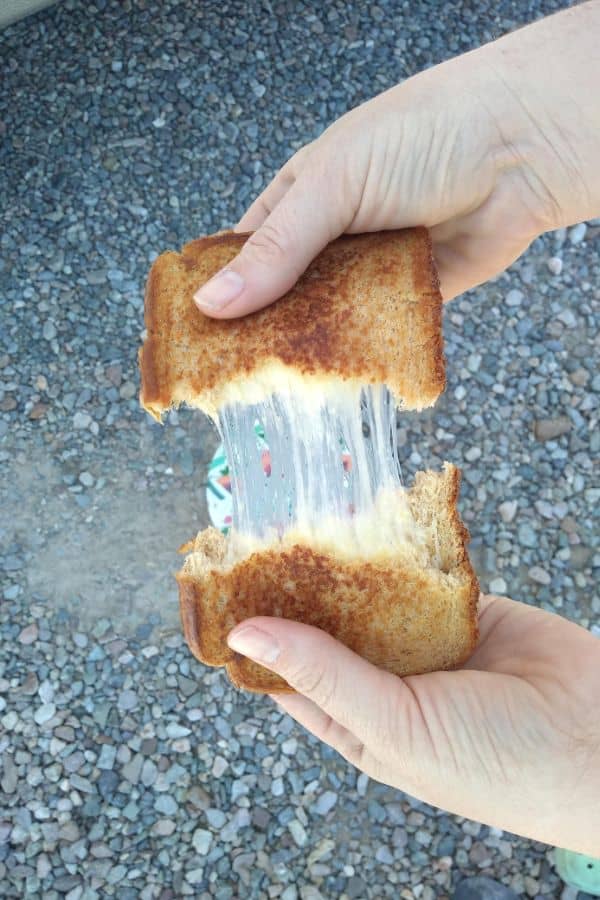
(367, 308)
(401, 616)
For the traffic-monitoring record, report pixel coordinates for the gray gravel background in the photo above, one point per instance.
(128, 769)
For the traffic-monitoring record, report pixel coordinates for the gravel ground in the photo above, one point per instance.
(128, 769)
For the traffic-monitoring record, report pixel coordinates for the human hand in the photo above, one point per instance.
(511, 740)
(488, 150)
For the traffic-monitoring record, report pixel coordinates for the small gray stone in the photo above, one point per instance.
(194, 876)
(527, 536)
(577, 233)
(356, 888)
(131, 770)
(508, 510)
(497, 585)
(174, 730)
(539, 575)
(10, 720)
(201, 841)
(9, 780)
(219, 766)
(166, 805)
(106, 759)
(550, 429)
(555, 265)
(81, 420)
(28, 635)
(298, 832)
(49, 330)
(215, 818)
(82, 784)
(239, 789)
(514, 297)
(324, 803)
(44, 713)
(384, 855)
(241, 819)
(482, 888)
(149, 773)
(127, 700)
(164, 827)
(74, 761)
(567, 317)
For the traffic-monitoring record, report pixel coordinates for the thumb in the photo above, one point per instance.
(349, 689)
(277, 253)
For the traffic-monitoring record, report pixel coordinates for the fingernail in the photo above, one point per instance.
(254, 643)
(222, 288)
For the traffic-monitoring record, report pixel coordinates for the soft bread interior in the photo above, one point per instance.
(420, 526)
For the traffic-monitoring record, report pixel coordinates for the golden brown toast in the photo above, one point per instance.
(367, 309)
(412, 613)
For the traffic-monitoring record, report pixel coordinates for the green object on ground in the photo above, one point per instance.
(578, 870)
(12, 10)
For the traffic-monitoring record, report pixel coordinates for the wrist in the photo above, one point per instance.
(549, 118)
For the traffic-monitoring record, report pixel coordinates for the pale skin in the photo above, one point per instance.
(489, 150)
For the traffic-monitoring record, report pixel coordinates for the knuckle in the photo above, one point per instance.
(267, 245)
(317, 683)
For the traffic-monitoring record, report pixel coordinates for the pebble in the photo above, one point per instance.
(127, 700)
(201, 841)
(298, 832)
(325, 802)
(482, 888)
(28, 635)
(195, 876)
(550, 429)
(49, 331)
(567, 317)
(577, 233)
(384, 856)
(497, 586)
(106, 759)
(555, 265)
(81, 420)
(164, 827)
(216, 818)
(514, 297)
(508, 510)
(219, 767)
(44, 713)
(526, 535)
(131, 771)
(539, 575)
(9, 720)
(174, 730)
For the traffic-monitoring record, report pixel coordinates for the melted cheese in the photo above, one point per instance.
(327, 472)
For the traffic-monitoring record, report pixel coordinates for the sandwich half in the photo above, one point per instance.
(387, 574)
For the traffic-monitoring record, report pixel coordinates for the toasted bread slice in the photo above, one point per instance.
(367, 310)
(413, 612)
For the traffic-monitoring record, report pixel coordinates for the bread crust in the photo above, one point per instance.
(403, 618)
(367, 308)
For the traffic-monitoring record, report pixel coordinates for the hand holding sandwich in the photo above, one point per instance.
(511, 740)
(489, 150)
